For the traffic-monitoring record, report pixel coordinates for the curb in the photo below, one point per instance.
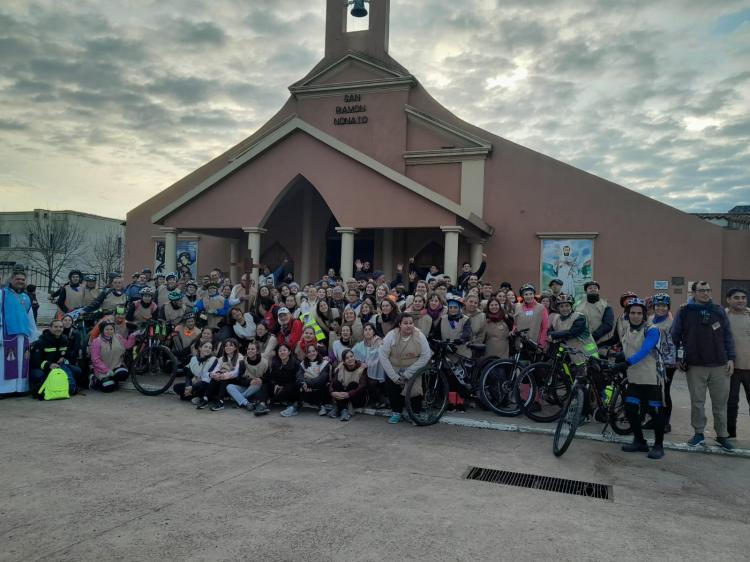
(609, 437)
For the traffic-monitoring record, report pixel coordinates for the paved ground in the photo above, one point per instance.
(127, 477)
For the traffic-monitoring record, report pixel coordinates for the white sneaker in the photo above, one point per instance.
(195, 401)
(290, 411)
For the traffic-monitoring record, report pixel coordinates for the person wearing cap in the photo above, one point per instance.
(143, 310)
(89, 291)
(571, 328)
(455, 326)
(739, 320)
(702, 329)
(532, 315)
(598, 313)
(212, 307)
(288, 329)
(70, 295)
(662, 319)
(174, 310)
(162, 292)
(109, 299)
(640, 358)
(19, 332)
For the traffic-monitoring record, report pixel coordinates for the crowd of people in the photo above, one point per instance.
(338, 344)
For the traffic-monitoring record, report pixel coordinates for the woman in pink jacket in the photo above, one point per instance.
(107, 355)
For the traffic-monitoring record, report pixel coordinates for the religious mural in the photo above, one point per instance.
(187, 257)
(571, 261)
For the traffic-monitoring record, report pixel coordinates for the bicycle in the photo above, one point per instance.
(427, 391)
(154, 366)
(498, 378)
(579, 399)
(542, 388)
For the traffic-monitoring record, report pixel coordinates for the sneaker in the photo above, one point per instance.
(202, 403)
(195, 401)
(696, 440)
(323, 411)
(249, 406)
(333, 414)
(656, 452)
(724, 443)
(345, 415)
(395, 418)
(290, 411)
(218, 406)
(261, 409)
(636, 447)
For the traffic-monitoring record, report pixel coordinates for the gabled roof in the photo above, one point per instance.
(294, 124)
(394, 76)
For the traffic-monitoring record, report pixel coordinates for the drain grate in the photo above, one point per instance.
(536, 482)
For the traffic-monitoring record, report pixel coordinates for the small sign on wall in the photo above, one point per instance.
(661, 285)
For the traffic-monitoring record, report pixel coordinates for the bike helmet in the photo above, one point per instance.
(661, 298)
(587, 284)
(147, 291)
(556, 282)
(90, 278)
(146, 270)
(627, 296)
(172, 274)
(527, 287)
(455, 299)
(191, 282)
(175, 295)
(635, 301)
(566, 299)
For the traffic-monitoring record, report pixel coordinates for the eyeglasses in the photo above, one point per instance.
(703, 290)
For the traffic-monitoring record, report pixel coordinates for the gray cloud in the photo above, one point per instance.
(646, 94)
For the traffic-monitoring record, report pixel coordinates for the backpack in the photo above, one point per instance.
(667, 349)
(56, 385)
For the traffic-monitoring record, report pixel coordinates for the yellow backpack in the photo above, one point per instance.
(56, 385)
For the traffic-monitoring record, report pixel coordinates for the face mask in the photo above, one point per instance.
(592, 298)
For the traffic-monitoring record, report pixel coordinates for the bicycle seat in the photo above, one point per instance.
(477, 346)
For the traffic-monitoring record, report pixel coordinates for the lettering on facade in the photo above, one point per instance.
(351, 105)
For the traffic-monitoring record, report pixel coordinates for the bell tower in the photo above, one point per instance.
(372, 41)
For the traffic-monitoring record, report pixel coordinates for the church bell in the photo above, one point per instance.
(358, 10)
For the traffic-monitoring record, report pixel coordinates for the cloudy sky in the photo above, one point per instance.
(105, 103)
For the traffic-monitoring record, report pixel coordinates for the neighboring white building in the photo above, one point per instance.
(99, 244)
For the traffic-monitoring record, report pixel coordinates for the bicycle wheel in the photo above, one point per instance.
(568, 422)
(154, 370)
(616, 411)
(426, 396)
(497, 388)
(543, 390)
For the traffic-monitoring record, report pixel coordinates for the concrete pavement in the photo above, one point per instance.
(128, 477)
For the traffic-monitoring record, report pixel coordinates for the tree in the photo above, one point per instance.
(106, 253)
(53, 242)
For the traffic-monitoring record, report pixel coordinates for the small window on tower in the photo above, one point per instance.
(357, 22)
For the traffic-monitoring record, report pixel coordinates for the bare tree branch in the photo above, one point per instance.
(106, 253)
(53, 242)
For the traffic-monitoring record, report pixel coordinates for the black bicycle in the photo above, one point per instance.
(605, 383)
(154, 366)
(497, 385)
(427, 391)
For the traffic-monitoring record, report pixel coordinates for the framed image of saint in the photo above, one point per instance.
(570, 260)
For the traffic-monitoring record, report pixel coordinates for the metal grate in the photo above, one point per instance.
(536, 482)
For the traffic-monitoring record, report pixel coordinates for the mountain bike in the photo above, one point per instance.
(604, 382)
(498, 378)
(154, 366)
(542, 388)
(427, 391)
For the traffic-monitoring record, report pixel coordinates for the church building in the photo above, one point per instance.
(361, 162)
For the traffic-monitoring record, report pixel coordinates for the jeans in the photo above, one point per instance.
(740, 378)
(241, 394)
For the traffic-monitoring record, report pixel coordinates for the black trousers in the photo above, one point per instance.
(740, 379)
(667, 392)
(648, 396)
(289, 394)
(357, 401)
(394, 390)
(217, 390)
(199, 389)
